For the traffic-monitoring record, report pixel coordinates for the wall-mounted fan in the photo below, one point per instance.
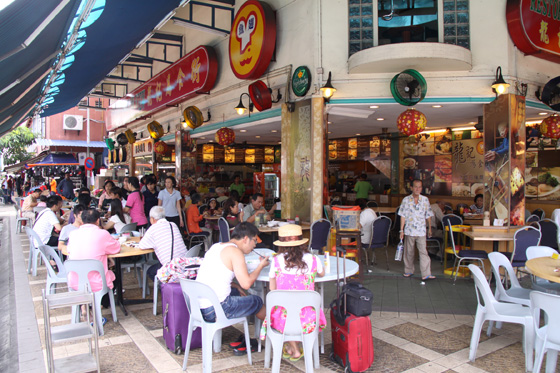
(408, 87)
(551, 94)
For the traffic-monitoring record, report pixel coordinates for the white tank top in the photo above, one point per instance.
(215, 274)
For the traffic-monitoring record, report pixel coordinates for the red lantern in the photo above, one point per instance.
(550, 127)
(225, 136)
(160, 147)
(411, 122)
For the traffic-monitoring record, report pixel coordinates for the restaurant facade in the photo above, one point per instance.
(277, 55)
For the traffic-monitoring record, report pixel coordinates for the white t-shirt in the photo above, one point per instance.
(65, 232)
(45, 223)
(366, 220)
(118, 223)
(307, 258)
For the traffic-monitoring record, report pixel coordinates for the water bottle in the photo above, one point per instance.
(399, 252)
(297, 221)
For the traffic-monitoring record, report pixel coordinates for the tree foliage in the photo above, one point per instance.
(13, 145)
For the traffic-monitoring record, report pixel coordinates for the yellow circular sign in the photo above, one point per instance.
(252, 40)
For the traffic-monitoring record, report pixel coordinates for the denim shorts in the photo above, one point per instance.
(235, 306)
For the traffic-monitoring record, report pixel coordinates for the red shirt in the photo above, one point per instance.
(193, 217)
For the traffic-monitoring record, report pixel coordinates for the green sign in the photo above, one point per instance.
(301, 81)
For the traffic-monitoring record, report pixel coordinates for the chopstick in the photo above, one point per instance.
(259, 254)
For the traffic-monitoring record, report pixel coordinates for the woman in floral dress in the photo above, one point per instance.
(293, 269)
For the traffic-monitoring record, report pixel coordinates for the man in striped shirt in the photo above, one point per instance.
(159, 238)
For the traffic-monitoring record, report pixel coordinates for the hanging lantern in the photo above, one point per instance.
(411, 122)
(193, 117)
(550, 127)
(225, 136)
(155, 129)
(110, 143)
(160, 148)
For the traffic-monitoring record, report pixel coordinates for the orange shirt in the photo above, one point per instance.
(53, 185)
(193, 217)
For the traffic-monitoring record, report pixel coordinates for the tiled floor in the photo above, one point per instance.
(416, 328)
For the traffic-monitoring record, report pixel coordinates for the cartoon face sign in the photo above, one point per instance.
(252, 40)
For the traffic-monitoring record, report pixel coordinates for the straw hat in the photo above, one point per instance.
(290, 235)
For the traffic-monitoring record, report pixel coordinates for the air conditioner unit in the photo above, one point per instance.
(73, 123)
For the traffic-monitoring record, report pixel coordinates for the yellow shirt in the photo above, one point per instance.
(53, 185)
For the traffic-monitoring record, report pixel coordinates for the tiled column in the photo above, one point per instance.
(303, 157)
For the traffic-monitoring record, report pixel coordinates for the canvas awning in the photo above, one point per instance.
(56, 159)
(34, 33)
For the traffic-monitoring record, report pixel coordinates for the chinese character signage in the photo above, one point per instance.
(534, 27)
(193, 73)
(252, 40)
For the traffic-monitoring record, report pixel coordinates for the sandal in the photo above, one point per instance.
(285, 354)
(428, 278)
(294, 359)
(408, 274)
(242, 350)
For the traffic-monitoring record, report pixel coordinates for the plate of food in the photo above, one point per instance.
(443, 146)
(542, 186)
(443, 169)
(409, 163)
(461, 190)
(477, 188)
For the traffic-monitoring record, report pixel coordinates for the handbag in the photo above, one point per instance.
(358, 301)
(178, 268)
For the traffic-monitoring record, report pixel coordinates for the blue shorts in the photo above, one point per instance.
(235, 306)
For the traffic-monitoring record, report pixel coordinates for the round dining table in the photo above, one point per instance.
(346, 268)
(545, 267)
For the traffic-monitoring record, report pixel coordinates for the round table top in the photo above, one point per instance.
(545, 268)
(351, 267)
(126, 250)
(267, 229)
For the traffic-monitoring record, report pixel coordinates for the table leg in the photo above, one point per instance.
(118, 274)
(321, 332)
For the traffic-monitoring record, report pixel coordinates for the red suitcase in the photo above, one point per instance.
(352, 343)
(352, 340)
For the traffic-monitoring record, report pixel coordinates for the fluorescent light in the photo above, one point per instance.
(274, 131)
(471, 128)
(473, 122)
(435, 131)
(257, 137)
(436, 106)
(543, 113)
(374, 107)
(329, 122)
(380, 119)
(242, 130)
(358, 134)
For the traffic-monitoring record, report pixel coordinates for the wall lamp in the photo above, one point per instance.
(328, 90)
(500, 85)
(240, 108)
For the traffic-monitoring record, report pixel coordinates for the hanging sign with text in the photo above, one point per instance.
(194, 73)
(534, 27)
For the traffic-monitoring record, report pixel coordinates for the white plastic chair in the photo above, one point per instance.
(82, 268)
(293, 301)
(193, 291)
(547, 337)
(34, 243)
(20, 218)
(53, 278)
(492, 310)
(541, 284)
(193, 251)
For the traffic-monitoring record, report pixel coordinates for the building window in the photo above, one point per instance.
(456, 22)
(405, 21)
(360, 19)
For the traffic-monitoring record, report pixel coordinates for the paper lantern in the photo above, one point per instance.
(160, 148)
(225, 136)
(155, 129)
(550, 127)
(411, 122)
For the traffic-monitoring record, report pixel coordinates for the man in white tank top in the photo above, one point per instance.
(221, 264)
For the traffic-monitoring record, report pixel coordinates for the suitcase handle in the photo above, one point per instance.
(165, 325)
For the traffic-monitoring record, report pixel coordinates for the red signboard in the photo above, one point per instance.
(194, 73)
(252, 40)
(534, 27)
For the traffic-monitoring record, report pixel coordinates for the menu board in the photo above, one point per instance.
(542, 175)
(268, 154)
(468, 167)
(359, 148)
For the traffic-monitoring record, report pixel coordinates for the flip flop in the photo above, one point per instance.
(428, 278)
(240, 351)
(408, 274)
(294, 359)
(285, 355)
